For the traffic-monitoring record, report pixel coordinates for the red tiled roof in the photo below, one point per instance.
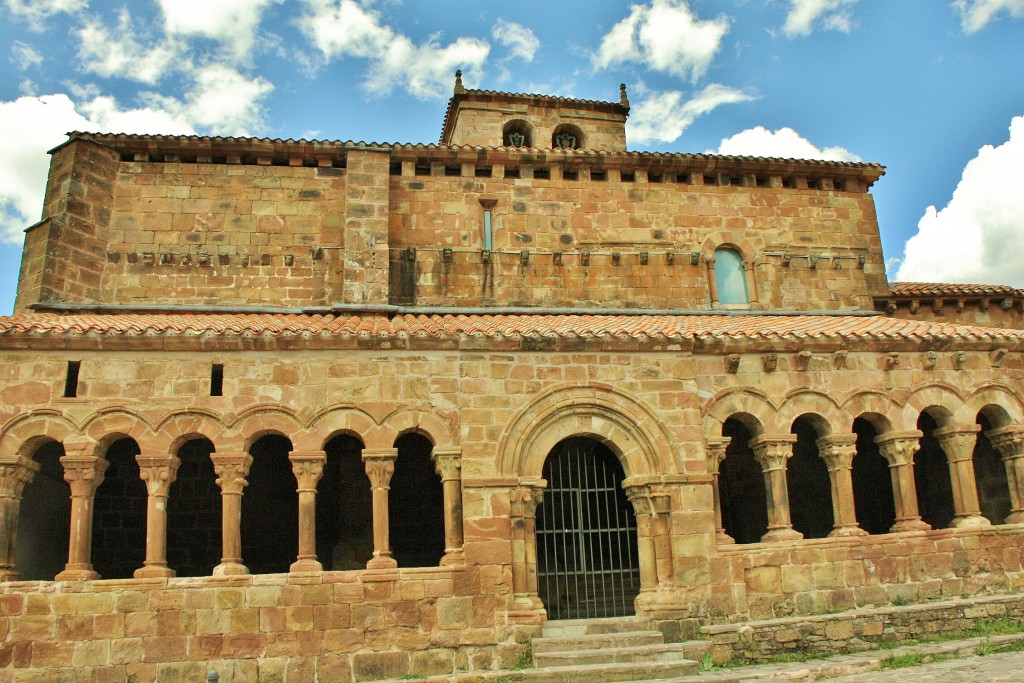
(950, 289)
(697, 328)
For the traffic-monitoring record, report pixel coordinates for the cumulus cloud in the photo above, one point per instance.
(223, 101)
(977, 237)
(24, 56)
(663, 117)
(36, 12)
(117, 53)
(232, 22)
(41, 123)
(785, 143)
(664, 36)
(976, 14)
(832, 15)
(346, 28)
(520, 40)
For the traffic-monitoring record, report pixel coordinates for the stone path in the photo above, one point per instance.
(963, 667)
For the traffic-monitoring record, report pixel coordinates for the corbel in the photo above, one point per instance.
(264, 259)
(892, 361)
(485, 256)
(585, 258)
(839, 359)
(224, 259)
(446, 255)
(616, 258)
(915, 306)
(770, 361)
(410, 254)
(891, 307)
(961, 361)
(984, 304)
(316, 253)
(166, 258)
(937, 305)
(556, 258)
(1006, 304)
(524, 257)
(644, 256)
(996, 356)
(694, 258)
(931, 359)
(670, 258)
(732, 363)
(289, 260)
(803, 360)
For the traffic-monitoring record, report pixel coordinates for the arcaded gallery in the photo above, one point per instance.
(303, 410)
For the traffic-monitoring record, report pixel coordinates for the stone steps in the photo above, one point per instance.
(611, 649)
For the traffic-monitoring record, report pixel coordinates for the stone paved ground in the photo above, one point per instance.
(1008, 668)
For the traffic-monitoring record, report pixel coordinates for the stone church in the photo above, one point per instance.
(303, 410)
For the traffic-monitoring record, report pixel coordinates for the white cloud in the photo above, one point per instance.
(232, 22)
(663, 117)
(833, 15)
(978, 236)
(36, 12)
(117, 53)
(345, 28)
(24, 56)
(976, 14)
(225, 101)
(520, 40)
(41, 123)
(784, 143)
(665, 36)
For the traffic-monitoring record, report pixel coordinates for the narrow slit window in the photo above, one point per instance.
(217, 379)
(71, 381)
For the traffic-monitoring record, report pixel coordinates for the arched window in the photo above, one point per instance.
(517, 133)
(567, 136)
(730, 277)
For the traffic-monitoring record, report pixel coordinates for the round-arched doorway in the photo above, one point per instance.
(587, 561)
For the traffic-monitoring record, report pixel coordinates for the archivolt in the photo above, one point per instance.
(621, 422)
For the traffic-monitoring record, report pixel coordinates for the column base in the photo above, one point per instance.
(9, 575)
(1015, 517)
(844, 531)
(154, 572)
(722, 538)
(306, 564)
(453, 558)
(382, 562)
(785, 533)
(80, 573)
(230, 569)
(915, 524)
(969, 522)
(527, 602)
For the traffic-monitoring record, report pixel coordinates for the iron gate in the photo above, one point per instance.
(587, 564)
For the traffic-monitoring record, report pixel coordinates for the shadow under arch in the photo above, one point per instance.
(625, 425)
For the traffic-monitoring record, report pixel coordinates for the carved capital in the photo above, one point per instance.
(308, 467)
(837, 450)
(232, 470)
(1009, 441)
(715, 448)
(158, 471)
(957, 441)
(772, 452)
(380, 465)
(640, 496)
(525, 499)
(899, 447)
(448, 462)
(15, 472)
(83, 473)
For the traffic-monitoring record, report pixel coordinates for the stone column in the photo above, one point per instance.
(772, 452)
(380, 465)
(448, 462)
(715, 449)
(957, 442)
(158, 471)
(1009, 441)
(523, 507)
(647, 548)
(232, 470)
(748, 267)
(15, 472)
(84, 473)
(661, 505)
(712, 280)
(898, 448)
(838, 451)
(308, 466)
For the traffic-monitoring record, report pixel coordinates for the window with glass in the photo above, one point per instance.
(731, 277)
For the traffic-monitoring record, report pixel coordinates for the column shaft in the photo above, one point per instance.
(773, 453)
(380, 465)
(15, 472)
(957, 442)
(448, 462)
(232, 470)
(308, 467)
(838, 452)
(84, 474)
(158, 471)
(898, 448)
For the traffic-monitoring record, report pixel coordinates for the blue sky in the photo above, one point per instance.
(929, 88)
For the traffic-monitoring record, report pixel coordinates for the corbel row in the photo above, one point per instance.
(201, 258)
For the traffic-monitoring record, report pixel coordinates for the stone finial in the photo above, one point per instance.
(459, 89)
(623, 99)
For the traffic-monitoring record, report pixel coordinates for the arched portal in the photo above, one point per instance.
(587, 559)
(194, 512)
(417, 505)
(344, 509)
(119, 514)
(270, 508)
(45, 510)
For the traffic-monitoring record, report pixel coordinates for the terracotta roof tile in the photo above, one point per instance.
(951, 289)
(668, 327)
